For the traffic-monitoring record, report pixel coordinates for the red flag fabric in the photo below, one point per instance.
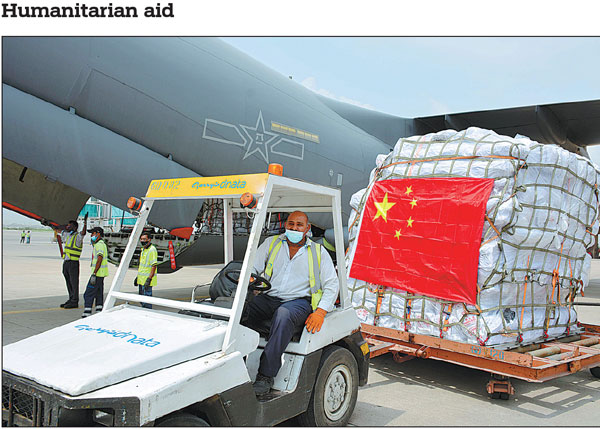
(423, 236)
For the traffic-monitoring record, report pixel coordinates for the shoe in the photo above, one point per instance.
(84, 315)
(262, 385)
(70, 305)
(98, 308)
(64, 303)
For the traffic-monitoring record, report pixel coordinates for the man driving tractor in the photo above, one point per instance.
(304, 289)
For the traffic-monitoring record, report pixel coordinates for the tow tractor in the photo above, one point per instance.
(192, 363)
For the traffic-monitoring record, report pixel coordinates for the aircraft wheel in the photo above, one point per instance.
(334, 396)
(595, 371)
(181, 420)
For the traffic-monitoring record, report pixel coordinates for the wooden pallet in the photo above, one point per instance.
(565, 358)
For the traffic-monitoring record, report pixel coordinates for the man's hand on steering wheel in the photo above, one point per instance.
(257, 283)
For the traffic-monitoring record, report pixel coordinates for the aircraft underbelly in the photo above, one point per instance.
(27, 189)
(87, 157)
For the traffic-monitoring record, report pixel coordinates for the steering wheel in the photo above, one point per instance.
(257, 283)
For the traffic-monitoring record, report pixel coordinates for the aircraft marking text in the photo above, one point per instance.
(291, 131)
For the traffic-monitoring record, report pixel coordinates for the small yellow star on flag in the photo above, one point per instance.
(398, 234)
(413, 203)
(383, 207)
(408, 190)
(410, 221)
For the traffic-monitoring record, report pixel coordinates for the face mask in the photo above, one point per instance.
(94, 238)
(144, 243)
(294, 236)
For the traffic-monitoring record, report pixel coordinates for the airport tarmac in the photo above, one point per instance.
(419, 392)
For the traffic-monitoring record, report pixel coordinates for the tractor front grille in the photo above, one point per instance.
(21, 408)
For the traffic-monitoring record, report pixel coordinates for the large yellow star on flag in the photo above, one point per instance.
(383, 207)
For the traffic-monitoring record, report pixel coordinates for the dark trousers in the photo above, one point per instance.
(147, 291)
(71, 273)
(94, 292)
(286, 318)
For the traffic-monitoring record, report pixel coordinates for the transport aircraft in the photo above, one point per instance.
(102, 116)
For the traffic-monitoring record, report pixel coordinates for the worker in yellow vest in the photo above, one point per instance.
(95, 286)
(304, 289)
(146, 278)
(72, 246)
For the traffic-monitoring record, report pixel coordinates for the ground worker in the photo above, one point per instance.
(146, 278)
(23, 237)
(73, 243)
(28, 237)
(304, 289)
(95, 286)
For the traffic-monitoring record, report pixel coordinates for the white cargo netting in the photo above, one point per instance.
(541, 217)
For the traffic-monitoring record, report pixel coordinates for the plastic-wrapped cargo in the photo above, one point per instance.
(542, 215)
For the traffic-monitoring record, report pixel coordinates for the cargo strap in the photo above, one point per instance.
(523, 307)
(380, 294)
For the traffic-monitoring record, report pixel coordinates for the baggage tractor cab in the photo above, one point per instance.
(193, 363)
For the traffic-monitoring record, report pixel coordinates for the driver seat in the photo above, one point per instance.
(222, 293)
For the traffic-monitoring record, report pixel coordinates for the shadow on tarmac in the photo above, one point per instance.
(540, 400)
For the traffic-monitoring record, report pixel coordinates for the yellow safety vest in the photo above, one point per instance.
(100, 249)
(71, 248)
(148, 258)
(314, 271)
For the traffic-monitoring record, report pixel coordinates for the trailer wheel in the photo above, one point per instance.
(181, 420)
(595, 371)
(334, 396)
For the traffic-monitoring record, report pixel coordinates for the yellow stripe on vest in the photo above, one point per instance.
(72, 249)
(314, 272)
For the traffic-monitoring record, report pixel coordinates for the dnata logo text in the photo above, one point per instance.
(128, 336)
(236, 184)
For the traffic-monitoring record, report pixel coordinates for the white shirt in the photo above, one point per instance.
(291, 280)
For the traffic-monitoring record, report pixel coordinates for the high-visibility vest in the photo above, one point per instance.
(72, 249)
(148, 258)
(100, 249)
(314, 270)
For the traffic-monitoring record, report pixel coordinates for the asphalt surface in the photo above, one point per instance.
(419, 392)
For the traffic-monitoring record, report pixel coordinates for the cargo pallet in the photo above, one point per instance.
(536, 362)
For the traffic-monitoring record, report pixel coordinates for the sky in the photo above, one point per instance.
(423, 76)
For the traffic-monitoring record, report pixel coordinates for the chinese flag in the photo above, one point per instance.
(423, 236)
